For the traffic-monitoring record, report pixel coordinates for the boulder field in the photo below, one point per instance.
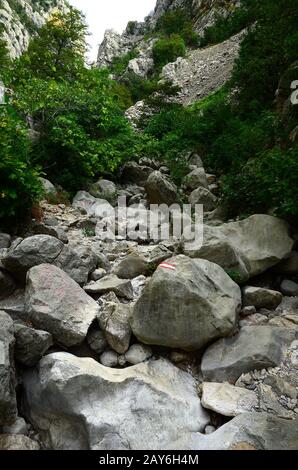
(136, 343)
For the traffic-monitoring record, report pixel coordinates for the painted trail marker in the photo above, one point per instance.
(169, 266)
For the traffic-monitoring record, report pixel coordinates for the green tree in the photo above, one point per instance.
(82, 128)
(57, 52)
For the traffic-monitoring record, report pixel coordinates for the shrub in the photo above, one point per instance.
(224, 28)
(167, 50)
(269, 180)
(266, 52)
(19, 183)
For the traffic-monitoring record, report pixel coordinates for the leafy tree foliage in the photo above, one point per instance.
(57, 52)
(19, 183)
(76, 113)
(178, 22)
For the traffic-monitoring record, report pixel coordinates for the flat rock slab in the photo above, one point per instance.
(57, 304)
(111, 283)
(255, 347)
(228, 400)
(80, 404)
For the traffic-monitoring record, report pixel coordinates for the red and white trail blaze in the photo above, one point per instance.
(168, 266)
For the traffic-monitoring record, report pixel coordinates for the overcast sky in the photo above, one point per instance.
(110, 14)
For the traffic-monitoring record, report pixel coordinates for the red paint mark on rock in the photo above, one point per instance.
(169, 266)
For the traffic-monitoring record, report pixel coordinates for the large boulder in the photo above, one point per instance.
(14, 305)
(57, 304)
(8, 403)
(70, 400)
(205, 197)
(255, 347)
(77, 261)
(245, 248)
(197, 178)
(289, 288)
(131, 266)
(5, 240)
(103, 189)
(248, 431)
(160, 190)
(141, 261)
(47, 186)
(30, 252)
(132, 172)
(186, 304)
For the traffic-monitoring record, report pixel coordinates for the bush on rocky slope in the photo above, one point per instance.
(241, 135)
(167, 50)
(179, 22)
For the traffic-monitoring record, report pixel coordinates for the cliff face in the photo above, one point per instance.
(203, 13)
(21, 19)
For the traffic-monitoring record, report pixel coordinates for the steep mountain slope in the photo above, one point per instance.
(202, 12)
(22, 18)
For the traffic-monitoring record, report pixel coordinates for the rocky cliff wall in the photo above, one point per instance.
(22, 18)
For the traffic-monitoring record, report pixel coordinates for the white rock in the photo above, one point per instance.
(228, 400)
(80, 404)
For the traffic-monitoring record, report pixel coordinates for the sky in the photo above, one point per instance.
(110, 14)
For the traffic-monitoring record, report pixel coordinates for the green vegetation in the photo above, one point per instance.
(19, 183)
(174, 31)
(4, 59)
(168, 50)
(241, 136)
(178, 22)
(77, 114)
(120, 63)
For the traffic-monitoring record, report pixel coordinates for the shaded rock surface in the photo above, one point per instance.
(8, 404)
(30, 344)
